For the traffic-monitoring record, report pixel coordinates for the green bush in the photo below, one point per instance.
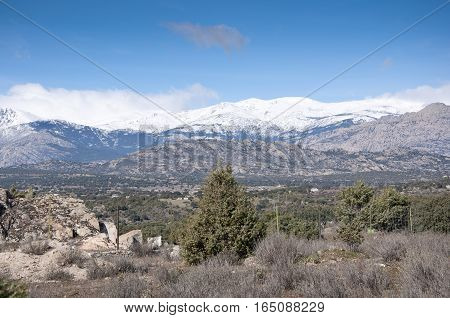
(388, 211)
(11, 290)
(431, 213)
(226, 220)
(292, 224)
(351, 212)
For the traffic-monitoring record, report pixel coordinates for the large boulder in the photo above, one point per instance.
(99, 242)
(109, 228)
(127, 240)
(154, 242)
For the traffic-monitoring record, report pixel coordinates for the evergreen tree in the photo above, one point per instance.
(388, 211)
(351, 212)
(226, 220)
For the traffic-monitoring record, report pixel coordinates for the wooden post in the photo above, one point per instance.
(278, 217)
(410, 220)
(118, 228)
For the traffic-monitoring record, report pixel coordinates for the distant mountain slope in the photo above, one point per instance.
(427, 130)
(176, 158)
(352, 128)
(41, 141)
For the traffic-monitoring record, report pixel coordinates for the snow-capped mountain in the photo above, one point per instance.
(25, 140)
(280, 114)
(10, 117)
(288, 113)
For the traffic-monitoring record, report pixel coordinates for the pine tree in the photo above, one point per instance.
(351, 212)
(226, 220)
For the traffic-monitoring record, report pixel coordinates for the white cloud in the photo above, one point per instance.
(221, 35)
(96, 107)
(418, 97)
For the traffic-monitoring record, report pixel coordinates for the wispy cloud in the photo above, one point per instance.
(387, 62)
(220, 35)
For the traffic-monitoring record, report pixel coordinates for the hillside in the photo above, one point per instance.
(426, 130)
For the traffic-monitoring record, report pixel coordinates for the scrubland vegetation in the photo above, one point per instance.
(357, 241)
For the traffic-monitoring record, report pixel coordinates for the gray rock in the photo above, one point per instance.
(175, 253)
(127, 240)
(109, 228)
(154, 242)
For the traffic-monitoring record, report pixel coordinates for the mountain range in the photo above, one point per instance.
(340, 137)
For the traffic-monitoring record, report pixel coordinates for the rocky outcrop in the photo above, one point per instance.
(52, 217)
(127, 240)
(110, 230)
(99, 242)
(60, 219)
(425, 131)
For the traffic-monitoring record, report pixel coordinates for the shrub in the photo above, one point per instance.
(95, 271)
(38, 247)
(124, 265)
(127, 286)
(205, 281)
(280, 248)
(59, 274)
(142, 250)
(390, 247)
(425, 270)
(225, 258)
(284, 275)
(343, 280)
(388, 211)
(9, 289)
(294, 224)
(8, 246)
(351, 234)
(226, 220)
(431, 213)
(351, 212)
(71, 257)
(167, 276)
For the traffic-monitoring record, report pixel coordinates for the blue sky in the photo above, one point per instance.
(277, 48)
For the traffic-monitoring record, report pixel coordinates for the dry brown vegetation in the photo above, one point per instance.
(35, 247)
(388, 265)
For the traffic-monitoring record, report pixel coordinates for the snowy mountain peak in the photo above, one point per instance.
(286, 113)
(10, 117)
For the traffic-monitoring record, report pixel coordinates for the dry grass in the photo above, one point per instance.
(117, 265)
(38, 247)
(126, 286)
(286, 249)
(9, 246)
(142, 250)
(167, 276)
(390, 247)
(59, 274)
(425, 271)
(72, 257)
(224, 281)
(343, 280)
